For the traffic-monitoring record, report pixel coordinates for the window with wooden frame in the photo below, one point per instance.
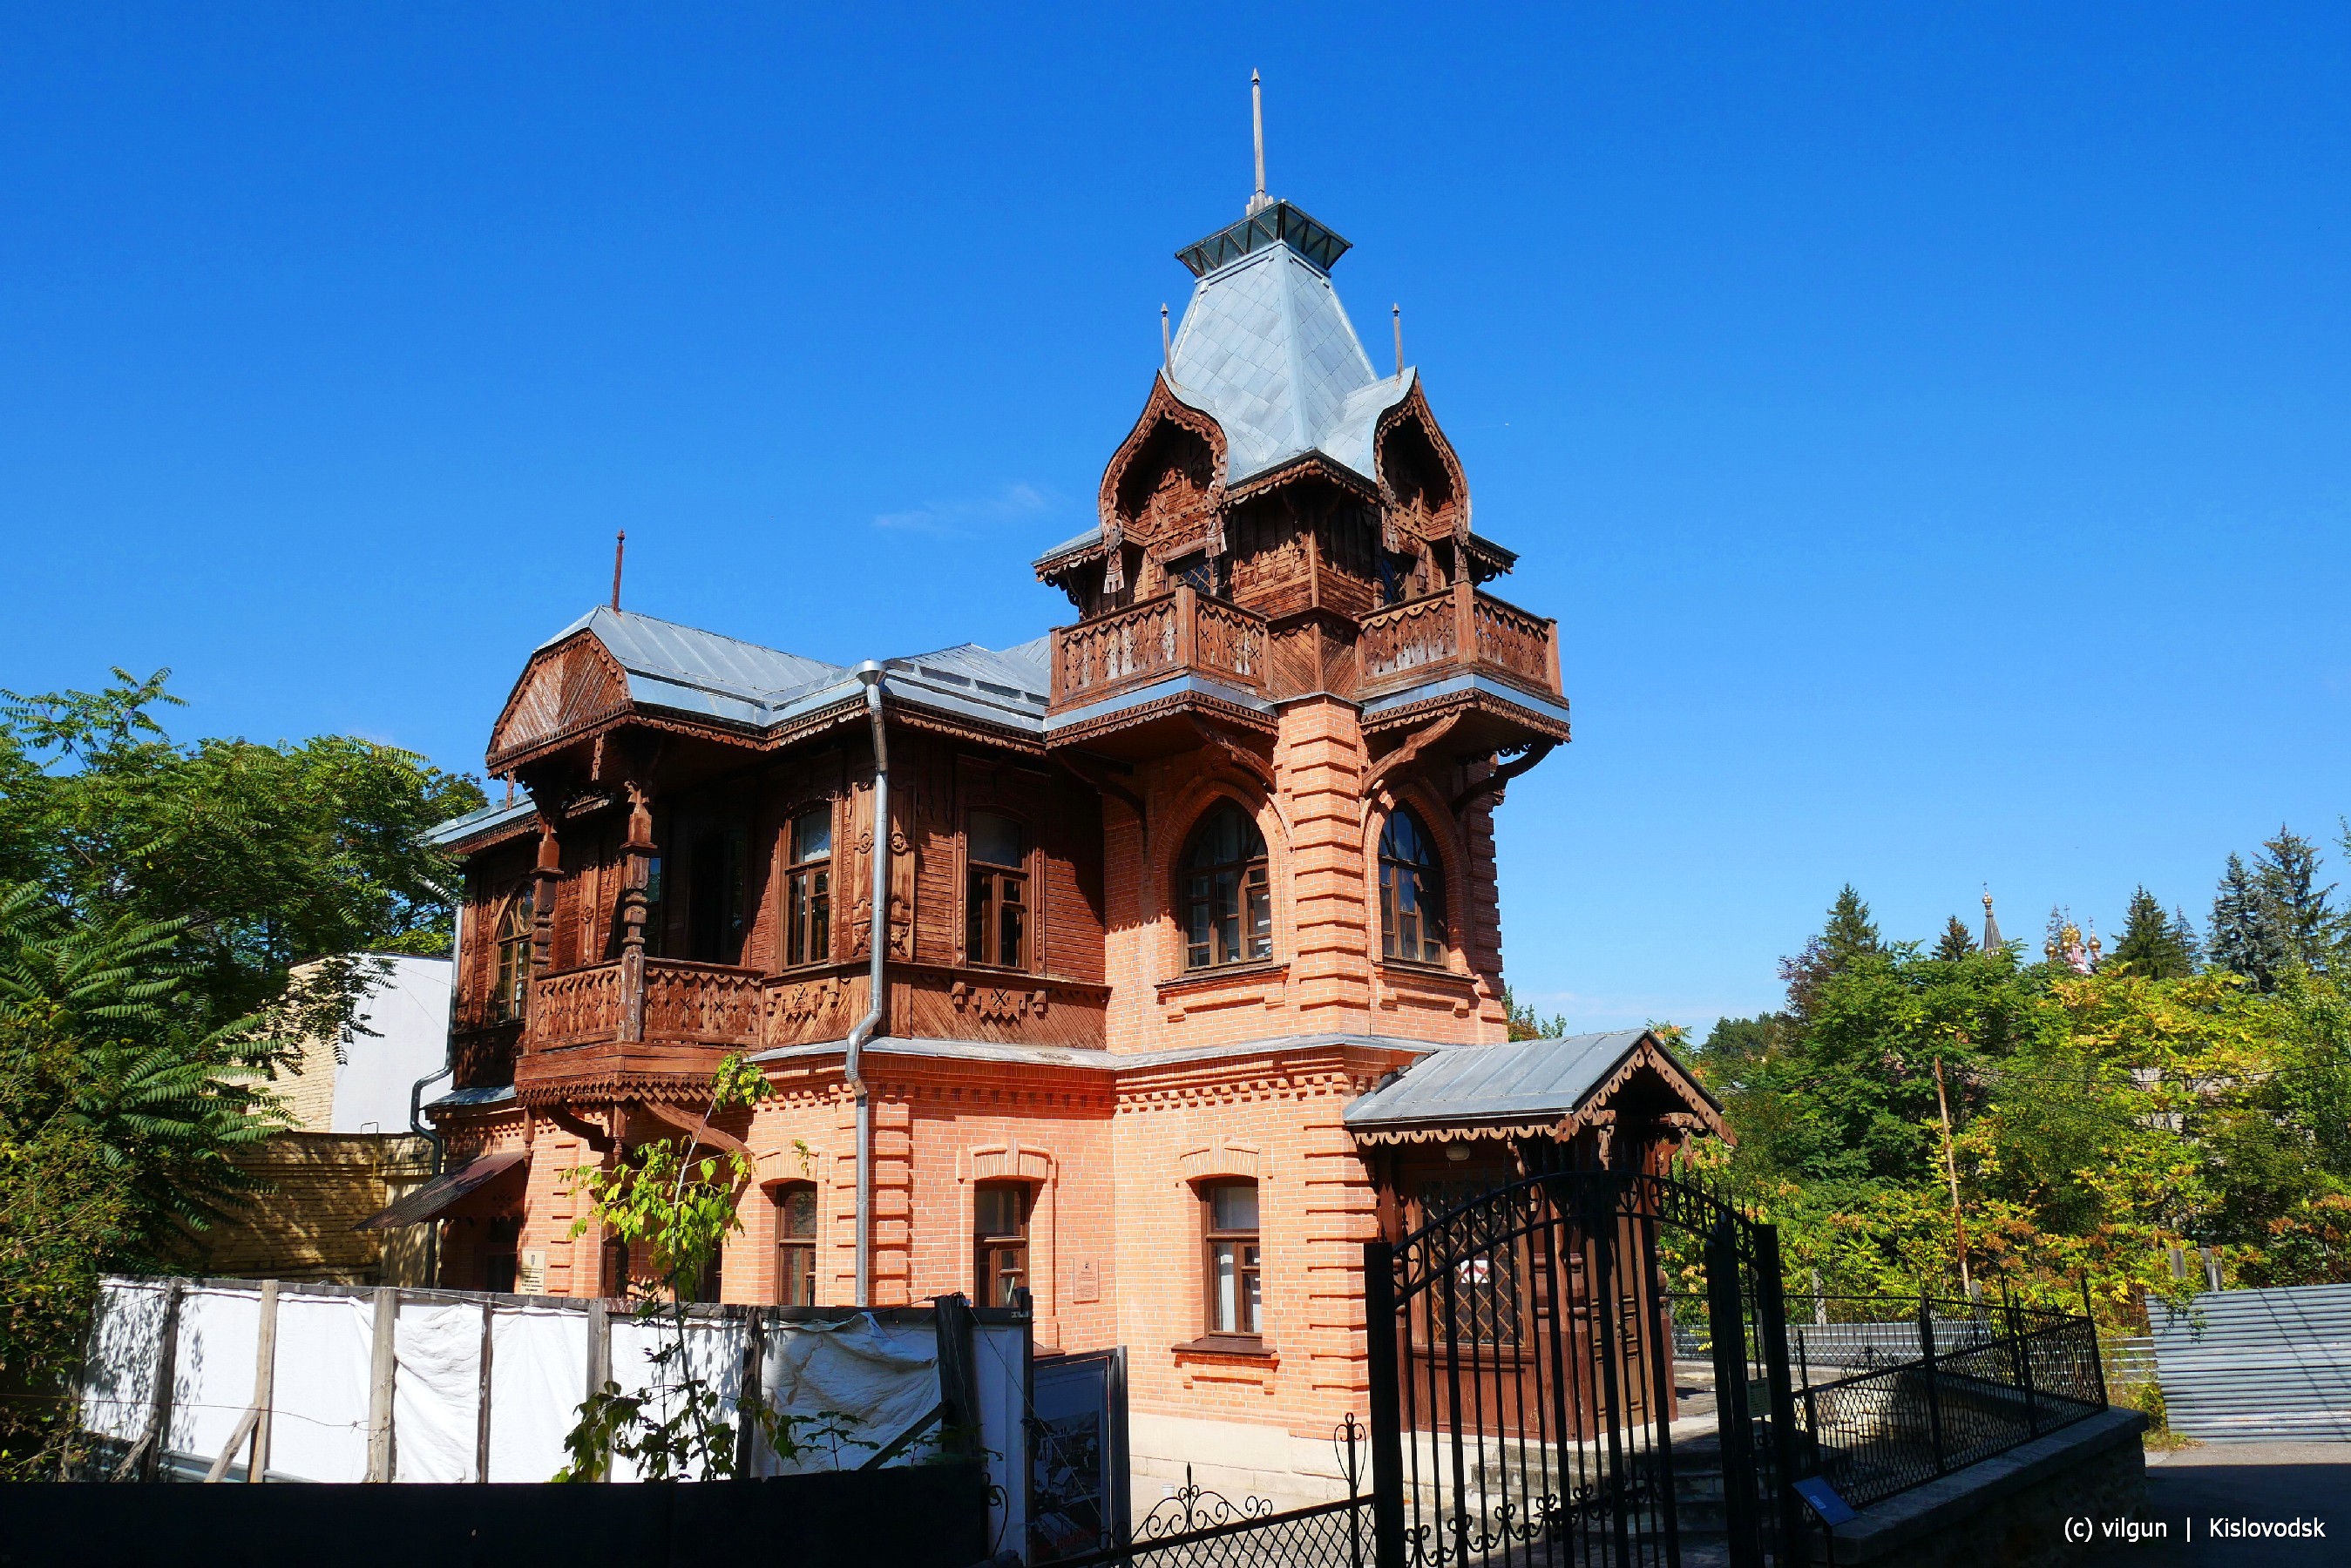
(1412, 891)
(796, 1244)
(1227, 900)
(1236, 1293)
(808, 888)
(995, 894)
(615, 1283)
(999, 1241)
(500, 1256)
(510, 992)
(714, 912)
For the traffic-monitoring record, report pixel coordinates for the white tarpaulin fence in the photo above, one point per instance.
(337, 1404)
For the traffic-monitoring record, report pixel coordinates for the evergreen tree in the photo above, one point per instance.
(1958, 942)
(2307, 926)
(1849, 935)
(2151, 942)
(2243, 939)
(2184, 934)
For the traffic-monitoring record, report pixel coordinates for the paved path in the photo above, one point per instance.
(2243, 1480)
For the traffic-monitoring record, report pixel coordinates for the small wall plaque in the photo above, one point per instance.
(1087, 1287)
(530, 1271)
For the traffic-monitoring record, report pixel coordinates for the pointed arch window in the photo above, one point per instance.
(512, 988)
(1412, 892)
(1228, 901)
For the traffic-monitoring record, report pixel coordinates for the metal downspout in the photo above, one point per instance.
(448, 1068)
(878, 941)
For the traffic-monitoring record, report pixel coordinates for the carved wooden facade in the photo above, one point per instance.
(1146, 929)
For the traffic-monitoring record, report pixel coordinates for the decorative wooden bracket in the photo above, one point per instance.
(1403, 756)
(1493, 784)
(694, 1128)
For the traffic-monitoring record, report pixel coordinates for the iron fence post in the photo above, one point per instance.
(1934, 1393)
(2097, 1349)
(1388, 1417)
(1771, 1327)
(2019, 1355)
(1726, 1324)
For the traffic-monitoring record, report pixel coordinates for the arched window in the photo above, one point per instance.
(808, 893)
(1412, 892)
(512, 989)
(1000, 1239)
(796, 1244)
(1227, 906)
(1236, 1297)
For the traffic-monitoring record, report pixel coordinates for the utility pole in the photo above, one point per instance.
(1951, 1172)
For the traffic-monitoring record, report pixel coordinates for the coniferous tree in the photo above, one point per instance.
(1850, 934)
(1958, 942)
(2307, 926)
(2242, 938)
(2151, 942)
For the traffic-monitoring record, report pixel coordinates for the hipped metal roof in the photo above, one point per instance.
(1525, 1084)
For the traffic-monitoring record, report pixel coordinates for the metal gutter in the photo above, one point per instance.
(877, 941)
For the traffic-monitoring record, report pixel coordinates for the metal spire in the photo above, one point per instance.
(1166, 344)
(1993, 942)
(1257, 127)
(1396, 311)
(620, 544)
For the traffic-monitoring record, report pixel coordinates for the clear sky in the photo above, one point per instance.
(1927, 423)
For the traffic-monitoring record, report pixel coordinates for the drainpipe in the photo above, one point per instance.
(878, 940)
(416, 1122)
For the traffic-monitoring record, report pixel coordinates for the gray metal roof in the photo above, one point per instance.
(1541, 1078)
(481, 820)
(687, 669)
(1267, 352)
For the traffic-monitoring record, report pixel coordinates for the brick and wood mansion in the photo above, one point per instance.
(1190, 946)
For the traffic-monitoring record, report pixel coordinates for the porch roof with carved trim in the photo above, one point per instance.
(1524, 1084)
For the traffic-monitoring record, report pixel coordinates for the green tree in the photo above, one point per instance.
(1957, 942)
(1525, 1025)
(264, 855)
(1849, 937)
(680, 1206)
(2154, 946)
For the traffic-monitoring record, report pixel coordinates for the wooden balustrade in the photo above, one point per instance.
(574, 1007)
(1160, 637)
(700, 1004)
(1459, 630)
(708, 1003)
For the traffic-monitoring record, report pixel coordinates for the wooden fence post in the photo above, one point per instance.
(167, 1371)
(383, 1364)
(482, 1409)
(265, 1384)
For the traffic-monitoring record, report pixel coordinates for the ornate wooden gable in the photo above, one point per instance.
(1424, 489)
(565, 690)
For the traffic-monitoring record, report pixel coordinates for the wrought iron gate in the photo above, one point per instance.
(1522, 1388)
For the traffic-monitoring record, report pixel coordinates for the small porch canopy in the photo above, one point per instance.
(1552, 1088)
(428, 1200)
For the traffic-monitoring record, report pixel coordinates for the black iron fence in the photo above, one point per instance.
(1197, 1528)
(1977, 1380)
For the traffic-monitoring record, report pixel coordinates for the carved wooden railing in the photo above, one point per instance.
(708, 1003)
(574, 1007)
(1097, 659)
(705, 1003)
(1459, 630)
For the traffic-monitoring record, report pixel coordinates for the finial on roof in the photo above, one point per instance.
(1396, 312)
(1166, 344)
(620, 544)
(1993, 942)
(1256, 129)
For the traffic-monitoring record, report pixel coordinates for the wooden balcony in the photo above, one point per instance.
(1182, 633)
(1458, 631)
(685, 1004)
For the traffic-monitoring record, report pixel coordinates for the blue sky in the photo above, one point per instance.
(1927, 424)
